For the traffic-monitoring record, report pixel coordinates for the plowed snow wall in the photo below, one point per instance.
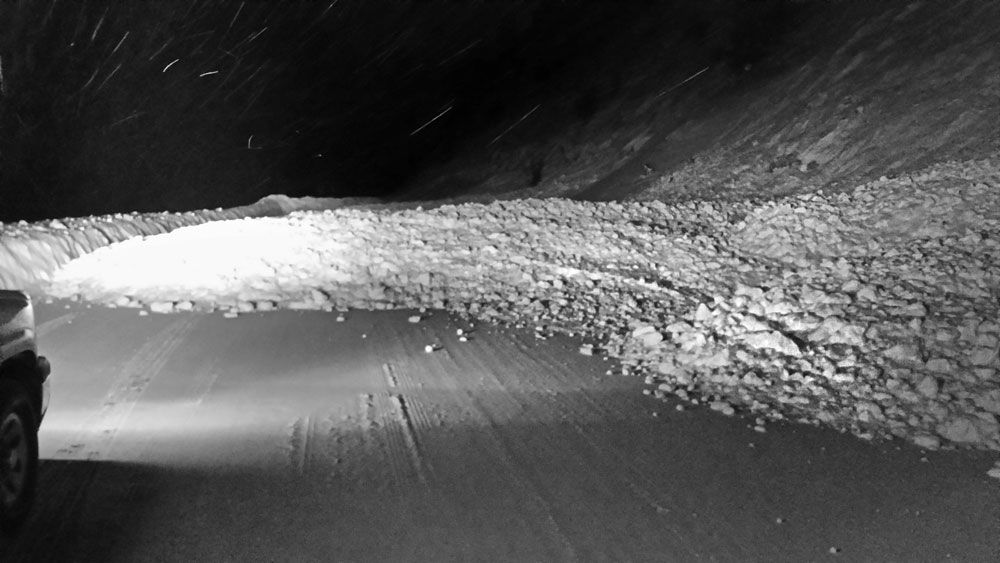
(30, 254)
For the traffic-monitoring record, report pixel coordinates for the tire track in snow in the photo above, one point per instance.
(385, 429)
(390, 375)
(300, 440)
(402, 419)
(204, 384)
(202, 380)
(601, 466)
(404, 422)
(366, 407)
(95, 436)
(319, 441)
(369, 442)
(393, 442)
(443, 368)
(399, 432)
(411, 414)
(346, 444)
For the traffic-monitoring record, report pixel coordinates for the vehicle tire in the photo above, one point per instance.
(18, 455)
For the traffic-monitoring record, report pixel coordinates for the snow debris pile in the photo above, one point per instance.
(873, 312)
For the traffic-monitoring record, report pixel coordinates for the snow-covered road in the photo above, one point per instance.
(874, 312)
(290, 436)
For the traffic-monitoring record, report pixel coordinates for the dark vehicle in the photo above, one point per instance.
(24, 397)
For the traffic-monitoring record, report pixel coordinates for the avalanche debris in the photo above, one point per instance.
(874, 312)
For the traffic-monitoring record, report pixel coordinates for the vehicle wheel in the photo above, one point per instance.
(18, 455)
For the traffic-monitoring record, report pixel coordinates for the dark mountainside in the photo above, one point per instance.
(178, 105)
(149, 106)
(777, 99)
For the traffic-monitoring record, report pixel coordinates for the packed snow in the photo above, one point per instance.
(874, 312)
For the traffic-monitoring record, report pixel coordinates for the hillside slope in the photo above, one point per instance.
(843, 93)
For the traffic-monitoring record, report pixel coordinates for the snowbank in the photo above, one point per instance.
(30, 252)
(874, 312)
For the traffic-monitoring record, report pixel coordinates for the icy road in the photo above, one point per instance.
(292, 436)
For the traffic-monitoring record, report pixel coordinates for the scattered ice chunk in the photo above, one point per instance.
(960, 429)
(994, 471)
(723, 407)
(867, 293)
(927, 441)
(772, 340)
(928, 386)
(983, 357)
(162, 307)
(752, 323)
(904, 354)
(647, 335)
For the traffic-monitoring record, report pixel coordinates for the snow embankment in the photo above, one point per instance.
(874, 312)
(30, 252)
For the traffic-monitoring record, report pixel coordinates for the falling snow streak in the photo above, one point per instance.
(238, 10)
(209, 74)
(160, 50)
(508, 130)
(257, 34)
(459, 53)
(436, 117)
(118, 46)
(222, 84)
(93, 76)
(129, 118)
(109, 77)
(245, 82)
(327, 9)
(683, 82)
(97, 28)
(48, 15)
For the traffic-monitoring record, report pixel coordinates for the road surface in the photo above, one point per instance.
(290, 436)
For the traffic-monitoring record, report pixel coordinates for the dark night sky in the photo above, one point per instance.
(174, 105)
